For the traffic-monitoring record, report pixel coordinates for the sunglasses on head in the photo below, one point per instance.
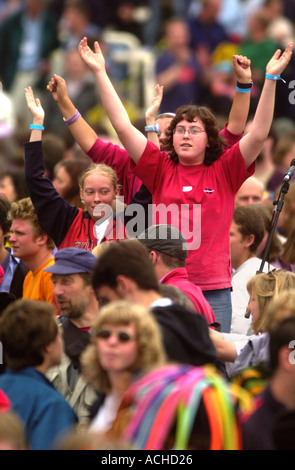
(122, 336)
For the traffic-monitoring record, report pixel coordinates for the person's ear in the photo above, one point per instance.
(81, 196)
(285, 359)
(249, 240)
(153, 256)
(124, 285)
(42, 239)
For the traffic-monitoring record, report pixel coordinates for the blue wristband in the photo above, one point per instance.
(38, 127)
(243, 90)
(274, 77)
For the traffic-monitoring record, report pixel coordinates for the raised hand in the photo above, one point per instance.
(242, 68)
(152, 110)
(34, 105)
(58, 88)
(94, 60)
(279, 61)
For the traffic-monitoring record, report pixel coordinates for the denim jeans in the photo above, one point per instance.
(220, 301)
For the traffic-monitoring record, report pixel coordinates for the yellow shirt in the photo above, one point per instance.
(38, 285)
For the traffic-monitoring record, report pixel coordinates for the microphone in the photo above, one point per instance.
(290, 172)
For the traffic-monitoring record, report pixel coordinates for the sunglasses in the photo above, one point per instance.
(122, 336)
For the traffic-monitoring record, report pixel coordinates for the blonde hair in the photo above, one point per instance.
(102, 169)
(24, 209)
(148, 336)
(280, 308)
(12, 430)
(267, 287)
(99, 249)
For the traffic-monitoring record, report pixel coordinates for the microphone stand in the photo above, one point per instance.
(277, 210)
(275, 216)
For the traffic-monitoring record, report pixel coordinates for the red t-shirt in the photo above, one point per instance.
(200, 200)
(179, 278)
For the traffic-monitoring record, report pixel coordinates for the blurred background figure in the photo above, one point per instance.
(257, 45)
(286, 221)
(280, 29)
(130, 16)
(8, 7)
(75, 23)
(206, 30)
(251, 192)
(27, 39)
(7, 114)
(13, 185)
(176, 68)
(66, 180)
(81, 88)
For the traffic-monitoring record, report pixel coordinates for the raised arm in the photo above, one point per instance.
(251, 144)
(49, 204)
(84, 135)
(38, 115)
(151, 114)
(240, 108)
(131, 138)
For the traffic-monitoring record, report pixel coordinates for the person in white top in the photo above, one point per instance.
(246, 234)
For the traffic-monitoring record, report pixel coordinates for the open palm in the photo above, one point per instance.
(34, 104)
(94, 59)
(279, 62)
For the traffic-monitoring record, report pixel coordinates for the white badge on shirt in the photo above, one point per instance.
(187, 189)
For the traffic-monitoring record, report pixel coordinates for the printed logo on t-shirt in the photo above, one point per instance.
(208, 190)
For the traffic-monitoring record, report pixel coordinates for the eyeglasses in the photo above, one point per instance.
(122, 336)
(191, 130)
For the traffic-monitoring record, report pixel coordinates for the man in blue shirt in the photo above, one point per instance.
(32, 343)
(14, 269)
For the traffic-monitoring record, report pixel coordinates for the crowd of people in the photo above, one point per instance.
(147, 266)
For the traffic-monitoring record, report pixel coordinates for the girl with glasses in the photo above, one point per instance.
(200, 180)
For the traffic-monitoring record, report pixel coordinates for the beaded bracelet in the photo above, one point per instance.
(38, 127)
(73, 118)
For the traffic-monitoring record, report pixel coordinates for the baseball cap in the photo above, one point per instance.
(72, 260)
(165, 239)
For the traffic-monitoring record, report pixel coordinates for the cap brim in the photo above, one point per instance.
(64, 270)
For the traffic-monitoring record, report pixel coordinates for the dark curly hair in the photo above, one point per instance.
(190, 113)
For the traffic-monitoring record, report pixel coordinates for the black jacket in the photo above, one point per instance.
(185, 335)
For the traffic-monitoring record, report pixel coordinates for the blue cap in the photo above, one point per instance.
(72, 261)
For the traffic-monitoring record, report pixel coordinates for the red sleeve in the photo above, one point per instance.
(118, 159)
(151, 166)
(229, 137)
(110, 154)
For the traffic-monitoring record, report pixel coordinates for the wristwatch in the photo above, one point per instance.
(154, 128)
